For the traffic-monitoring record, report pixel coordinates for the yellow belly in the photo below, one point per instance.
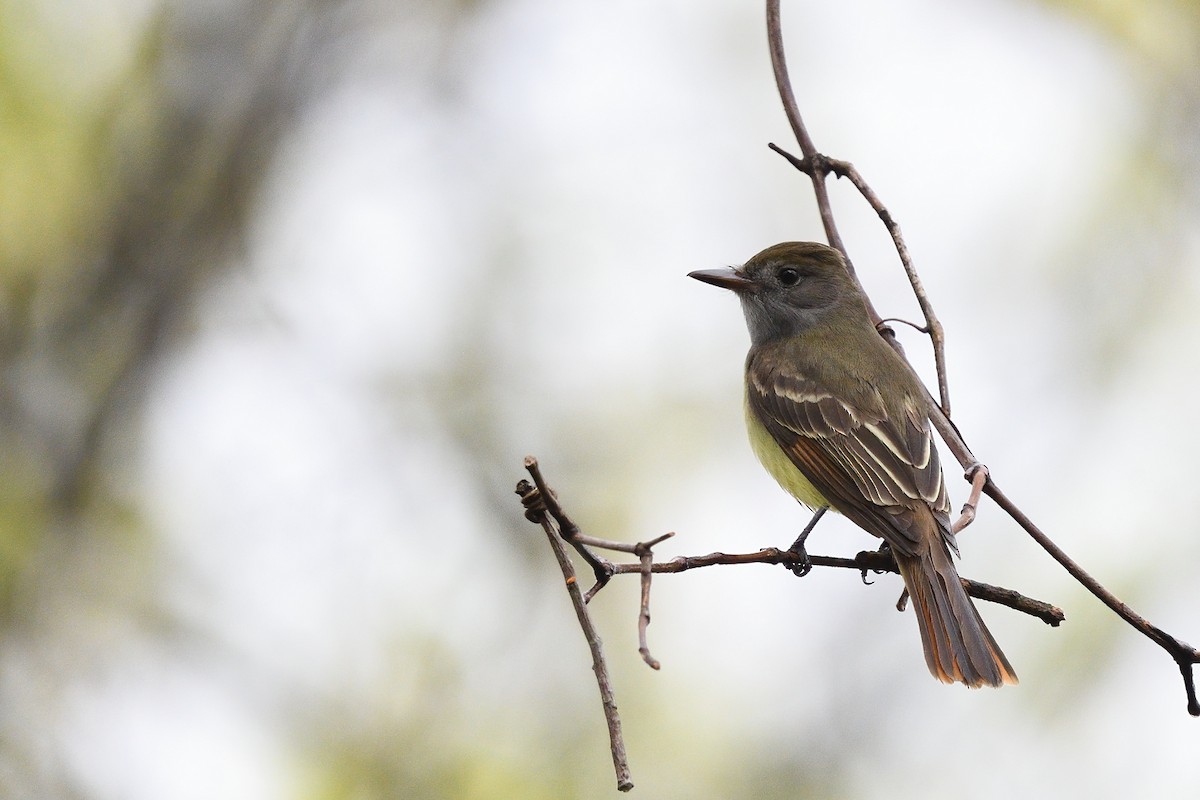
(776, 462)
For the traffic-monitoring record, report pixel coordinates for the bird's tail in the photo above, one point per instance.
(958, 646)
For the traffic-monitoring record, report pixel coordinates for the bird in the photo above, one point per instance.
(839, 419)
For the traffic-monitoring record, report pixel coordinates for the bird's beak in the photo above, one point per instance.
(725, 278)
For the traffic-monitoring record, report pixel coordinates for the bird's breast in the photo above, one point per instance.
(779, 465)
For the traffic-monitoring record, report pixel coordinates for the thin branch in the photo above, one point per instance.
(933, 326)
(543, 508)
(568, 529)
(646, 564)
(866, 561)
(1183, 653)
(913, 325)
(937, 335)
(817, 166)
(819, 169)
(978, 477)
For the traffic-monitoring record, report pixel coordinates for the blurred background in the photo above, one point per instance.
(290, 288)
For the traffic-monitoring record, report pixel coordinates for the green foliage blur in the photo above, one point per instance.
(144, 149)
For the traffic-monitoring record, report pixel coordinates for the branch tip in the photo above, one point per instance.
(1189, 683)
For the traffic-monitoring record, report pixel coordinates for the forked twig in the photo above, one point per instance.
(933, 326)
(876, 561)
(542, 507)
(978, 476)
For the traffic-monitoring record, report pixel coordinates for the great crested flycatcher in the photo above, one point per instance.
(840, 421)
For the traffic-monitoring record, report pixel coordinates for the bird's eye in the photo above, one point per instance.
(789, 276)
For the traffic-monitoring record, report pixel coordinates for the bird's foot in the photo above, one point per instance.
(800, 563)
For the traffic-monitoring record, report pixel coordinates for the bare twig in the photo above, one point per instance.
(866, 561)
(541, 507)
(645, 554)
(933, 326)
(568, 529)
(978, 477)
(818, 168)
(646, 564)
(1185, 656)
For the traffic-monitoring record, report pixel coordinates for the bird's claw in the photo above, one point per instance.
(800, 564)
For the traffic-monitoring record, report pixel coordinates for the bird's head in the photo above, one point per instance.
(787, 288)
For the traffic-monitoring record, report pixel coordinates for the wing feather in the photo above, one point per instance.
(872, 466)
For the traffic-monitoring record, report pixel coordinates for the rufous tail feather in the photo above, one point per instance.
(958, 646)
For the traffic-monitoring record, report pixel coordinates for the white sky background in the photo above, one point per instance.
(314, 474)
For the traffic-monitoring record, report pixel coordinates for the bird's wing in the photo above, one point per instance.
(875, 468)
